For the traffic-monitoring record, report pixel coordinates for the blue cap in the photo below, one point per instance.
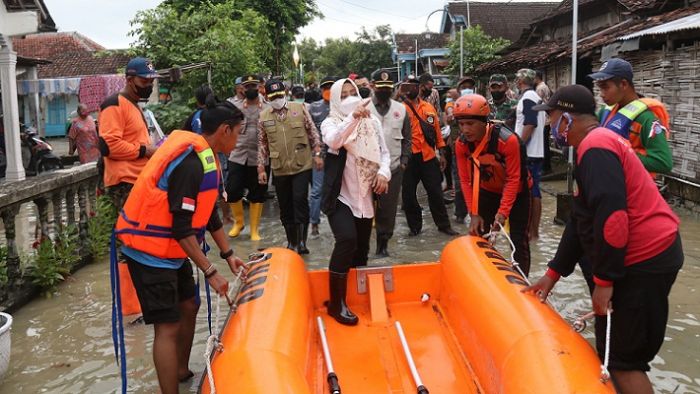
(238, 80)
(141, 67)
(613, 68)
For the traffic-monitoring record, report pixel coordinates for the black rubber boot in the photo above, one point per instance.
(337, 308)
(382, 246)
(291, 231)
(303, 236)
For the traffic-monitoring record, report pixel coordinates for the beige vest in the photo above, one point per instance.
(290, 150)
(392, 123)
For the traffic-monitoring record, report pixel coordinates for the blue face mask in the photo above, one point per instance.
(465, 92)
(561, 136)
(448, 99)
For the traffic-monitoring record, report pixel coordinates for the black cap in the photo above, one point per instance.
(329, 80)
(411, 79)
(425, 78)
(382, 79)
(466, 79)
(274, 88)
(576, 99)
(297, 90)
(250, 78)
(613, 68)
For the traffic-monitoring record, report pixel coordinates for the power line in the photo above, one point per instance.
(376, 10)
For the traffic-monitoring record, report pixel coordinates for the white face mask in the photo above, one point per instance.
(349, 104)
(278, 103)
(467, 91)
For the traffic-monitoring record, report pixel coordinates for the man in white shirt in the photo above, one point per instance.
(529, 125)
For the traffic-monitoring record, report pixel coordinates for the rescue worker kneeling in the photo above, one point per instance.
(163, 223)
(491, 160)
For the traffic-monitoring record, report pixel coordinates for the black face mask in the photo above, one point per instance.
(498, 95)
(364, 92)
(383, 95)
(427, 92)
(144, 93)
(412, 94)
(251, 94)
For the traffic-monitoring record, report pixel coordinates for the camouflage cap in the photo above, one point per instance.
(525, 74)
(498, 79)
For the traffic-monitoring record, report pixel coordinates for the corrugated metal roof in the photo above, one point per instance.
(685, 23)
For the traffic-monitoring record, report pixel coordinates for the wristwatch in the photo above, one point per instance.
(225, 255)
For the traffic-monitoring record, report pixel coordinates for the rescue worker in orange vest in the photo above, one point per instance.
(643, 121)
(492, 170)
(163, 223)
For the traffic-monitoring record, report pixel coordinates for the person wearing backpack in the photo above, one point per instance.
(492, 164)
(643, 121)
(423, 165)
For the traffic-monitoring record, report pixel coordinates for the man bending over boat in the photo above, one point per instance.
(624, 227)
(162, 225)
(493, 175)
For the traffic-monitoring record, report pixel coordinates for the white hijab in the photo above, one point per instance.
(363, 142)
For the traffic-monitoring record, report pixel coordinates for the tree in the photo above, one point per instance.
(234, 46)
(287, 17)
(478, 47)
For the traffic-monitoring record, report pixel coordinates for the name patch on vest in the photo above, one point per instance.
(268, 123)
(397, 114)
(188, 204)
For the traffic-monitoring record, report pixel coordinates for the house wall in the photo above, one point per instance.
(17, 23)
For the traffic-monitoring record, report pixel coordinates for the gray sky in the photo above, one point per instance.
(107, 21)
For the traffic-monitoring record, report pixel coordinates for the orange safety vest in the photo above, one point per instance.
(145, 223)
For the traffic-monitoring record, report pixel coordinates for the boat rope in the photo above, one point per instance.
(580, 324)
(604, 373)
(117, 317)
(491, 236)
(213, 344)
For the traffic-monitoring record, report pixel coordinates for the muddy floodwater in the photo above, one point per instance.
(64, 344)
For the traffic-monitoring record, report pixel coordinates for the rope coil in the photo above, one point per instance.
(492, 236)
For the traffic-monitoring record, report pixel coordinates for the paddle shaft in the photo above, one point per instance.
(411, 364)
(333, 385)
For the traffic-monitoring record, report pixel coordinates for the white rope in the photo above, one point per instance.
(213, 344)
(491, 237)
(604, 373)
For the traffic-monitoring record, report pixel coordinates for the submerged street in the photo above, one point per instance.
(64, 344)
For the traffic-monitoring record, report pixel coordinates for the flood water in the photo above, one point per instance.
(64, 344)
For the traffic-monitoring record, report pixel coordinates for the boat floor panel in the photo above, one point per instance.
(368, 358)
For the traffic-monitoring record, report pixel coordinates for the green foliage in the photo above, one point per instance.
(341, 56)
(3, 265)
(100, 225)
(47, 271)
(236, 41)
(479, 48)
(171, 116)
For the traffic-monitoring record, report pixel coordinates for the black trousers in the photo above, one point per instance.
(387, 204)
(460, 203)
(519, 222)
(427, 172)
(293, 196)
(448, 168)
(351, 239)
(242, 177)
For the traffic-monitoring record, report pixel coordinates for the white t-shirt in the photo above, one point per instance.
(535, 145)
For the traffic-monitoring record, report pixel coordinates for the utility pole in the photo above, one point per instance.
(461, 52)
(574, 58)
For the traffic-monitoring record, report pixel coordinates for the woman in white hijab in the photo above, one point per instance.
(356, 168)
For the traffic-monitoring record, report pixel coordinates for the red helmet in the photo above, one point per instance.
(471, 106)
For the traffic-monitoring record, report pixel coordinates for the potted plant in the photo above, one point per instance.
(5, 325)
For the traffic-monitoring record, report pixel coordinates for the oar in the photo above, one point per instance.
(333, 386)
(411, 364)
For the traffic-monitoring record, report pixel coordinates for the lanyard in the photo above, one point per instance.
(476, 170)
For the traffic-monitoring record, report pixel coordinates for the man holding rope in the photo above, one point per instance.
(623, 225)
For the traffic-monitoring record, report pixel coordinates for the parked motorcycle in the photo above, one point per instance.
(37, 154)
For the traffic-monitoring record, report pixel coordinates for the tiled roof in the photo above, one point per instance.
(74, 64)
(631, 5)
(505, 20)
(550, 51)
(406, 43)
(48, 45)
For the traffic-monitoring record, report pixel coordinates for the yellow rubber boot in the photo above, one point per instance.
(255, 213)
(238, 219)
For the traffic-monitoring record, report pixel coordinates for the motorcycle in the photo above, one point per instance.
(37, 154)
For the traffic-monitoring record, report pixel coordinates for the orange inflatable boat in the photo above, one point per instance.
(460, 325)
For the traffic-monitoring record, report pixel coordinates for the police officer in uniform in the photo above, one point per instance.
(397, 134)
(319, 111)
(243, 161)
(289, 139)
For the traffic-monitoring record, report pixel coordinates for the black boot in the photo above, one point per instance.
(304, 229)
(337, 308)
(382, 246)
(291, 231)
